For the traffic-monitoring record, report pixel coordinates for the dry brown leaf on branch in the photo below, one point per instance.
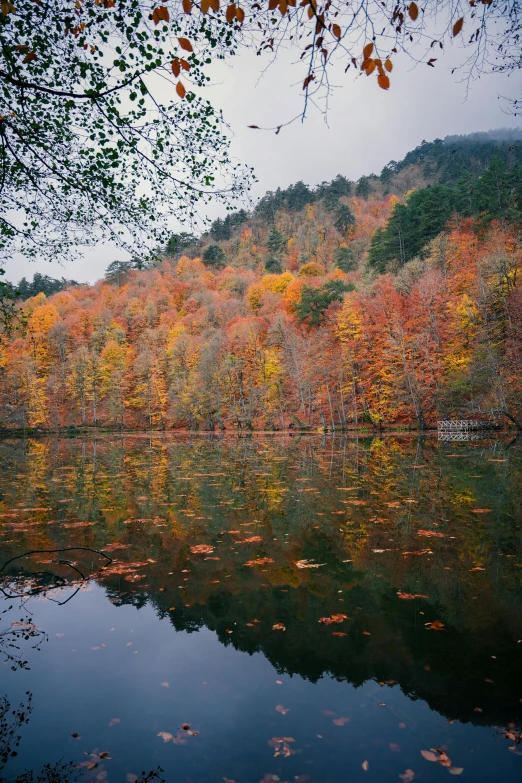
(230, 13)
(185, 44)
(457, 27)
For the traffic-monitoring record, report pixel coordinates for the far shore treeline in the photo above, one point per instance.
(390, 302)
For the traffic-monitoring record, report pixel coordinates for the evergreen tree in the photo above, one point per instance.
(179, 243)
(297, 196)
(345, 259)
(411, 226)
(39, 284)
(276, 242)
(117, 271)
(344, 218)
(220, 230)
(214, 256)
(273, 265)
(362, 189)
(314, 301)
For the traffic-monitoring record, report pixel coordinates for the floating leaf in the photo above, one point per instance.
(279, 627)
(365, 766)
(429, 755)
(308, 564)
(430, 533)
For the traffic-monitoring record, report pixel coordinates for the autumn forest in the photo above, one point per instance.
(390, 302)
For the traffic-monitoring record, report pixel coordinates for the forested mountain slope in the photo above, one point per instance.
(388, 302)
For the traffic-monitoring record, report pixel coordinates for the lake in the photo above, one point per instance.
(257, 609)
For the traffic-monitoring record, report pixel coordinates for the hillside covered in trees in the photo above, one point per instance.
(392, 301)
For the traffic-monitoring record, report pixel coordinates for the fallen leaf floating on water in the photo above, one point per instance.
(511, 734)
(419, 552)
(130, 778)
(202, 549)
(114, 721)
(410, 596)
(251, 540)
(439, 756)
(164, 685)
(278, 627)
(75, 736)
(339, 633)
(282, 710)
(430, 533)
(114, 546)
(480, 510)
(282, 746)
(407, 776)
(259, 561)
(308, 564)
(335, 618)
(365, 766)
(340, 721)
(179, 737)
(436, 625)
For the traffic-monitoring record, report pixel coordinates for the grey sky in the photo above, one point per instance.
(366, 128)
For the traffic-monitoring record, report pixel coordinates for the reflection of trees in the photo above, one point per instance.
(153, 498)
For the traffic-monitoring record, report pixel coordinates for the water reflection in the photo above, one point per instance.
(411, 546)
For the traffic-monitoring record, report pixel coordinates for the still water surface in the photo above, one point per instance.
(276, 609)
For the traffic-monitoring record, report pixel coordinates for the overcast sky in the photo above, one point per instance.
(366, 128)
